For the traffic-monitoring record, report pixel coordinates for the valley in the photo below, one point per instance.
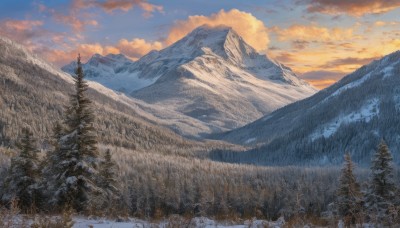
(219, 120)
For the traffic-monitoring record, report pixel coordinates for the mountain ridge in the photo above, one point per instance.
(352, 115)
(34, 93)
(211, 75)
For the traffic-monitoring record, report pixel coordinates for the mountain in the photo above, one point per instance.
(116, 72)
(211, 75)
(33, 94)
(352, 115)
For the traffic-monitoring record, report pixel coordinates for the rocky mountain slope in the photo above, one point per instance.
(352, 115)
(211, 75)
(33, 94)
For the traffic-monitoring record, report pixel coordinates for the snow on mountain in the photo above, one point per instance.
(365, 113)
(112, 71)
(211, 75)
(351, 115)
(13, 54)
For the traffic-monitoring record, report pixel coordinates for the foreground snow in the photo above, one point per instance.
(195, 222)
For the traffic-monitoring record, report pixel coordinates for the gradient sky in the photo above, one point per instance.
(321, 40)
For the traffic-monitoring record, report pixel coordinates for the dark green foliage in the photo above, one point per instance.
(349, 197)
(381, 191)
(108, 173)
(22, 182)
(108, 182)
(76, 162)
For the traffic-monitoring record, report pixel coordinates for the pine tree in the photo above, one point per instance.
(108, 172)
(108, 181)
(24, 176)
(52, 166)
(77, 167)
(349, 203)
(381, 189)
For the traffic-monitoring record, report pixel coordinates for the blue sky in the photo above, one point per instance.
(322, 40)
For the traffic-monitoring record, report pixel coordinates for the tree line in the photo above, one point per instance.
(72, 174)
(379, 201)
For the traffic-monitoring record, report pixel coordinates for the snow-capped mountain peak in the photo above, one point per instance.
(211, 74)
(220, 40)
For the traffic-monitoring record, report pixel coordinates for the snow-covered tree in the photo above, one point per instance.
(77, 167)
(22, 182)
(381, 190)
(349, 197)
(108, 181)
(52, 165)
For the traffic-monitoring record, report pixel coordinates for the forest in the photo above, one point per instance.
(76, 173)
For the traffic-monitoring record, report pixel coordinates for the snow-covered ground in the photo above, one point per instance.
(21, 221)
(195, 222)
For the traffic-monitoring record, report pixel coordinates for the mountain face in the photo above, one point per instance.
(113, 71)
(352, 115)
(33, 94)
(211, 75)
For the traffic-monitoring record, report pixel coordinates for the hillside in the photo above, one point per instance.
(351, 115)
(33, 94)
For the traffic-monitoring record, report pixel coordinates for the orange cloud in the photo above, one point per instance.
(321, 83)
(77, 19)
(111, 5)
(73, 18)
(245, 24)
(136, 48)
(21, 24)
(349, 61)
(132, 49)
(61, 57)
(27, 32)
(353, 7)
(76, 23)
(312, 32)
(386, 23)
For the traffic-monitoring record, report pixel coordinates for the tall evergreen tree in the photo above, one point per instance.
(349, 197)
(381, 190)
(22, 182)
(78, 155)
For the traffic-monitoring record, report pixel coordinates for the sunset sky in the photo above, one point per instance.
(321, 40)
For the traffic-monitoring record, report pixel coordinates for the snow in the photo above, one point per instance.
(195, 222)
(84, 223)
(116, 72)
(203, 222)
(383, 66)
(125, 82)
(216, 63)
(366, 113)
(250, 140)
(34, 59)
(352, 84)
(158, 114)
(71, 180)
(388, 71)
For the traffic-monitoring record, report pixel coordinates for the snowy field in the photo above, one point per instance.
(195, 222)
(20, 221)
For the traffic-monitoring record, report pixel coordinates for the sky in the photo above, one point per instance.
(321, 40)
